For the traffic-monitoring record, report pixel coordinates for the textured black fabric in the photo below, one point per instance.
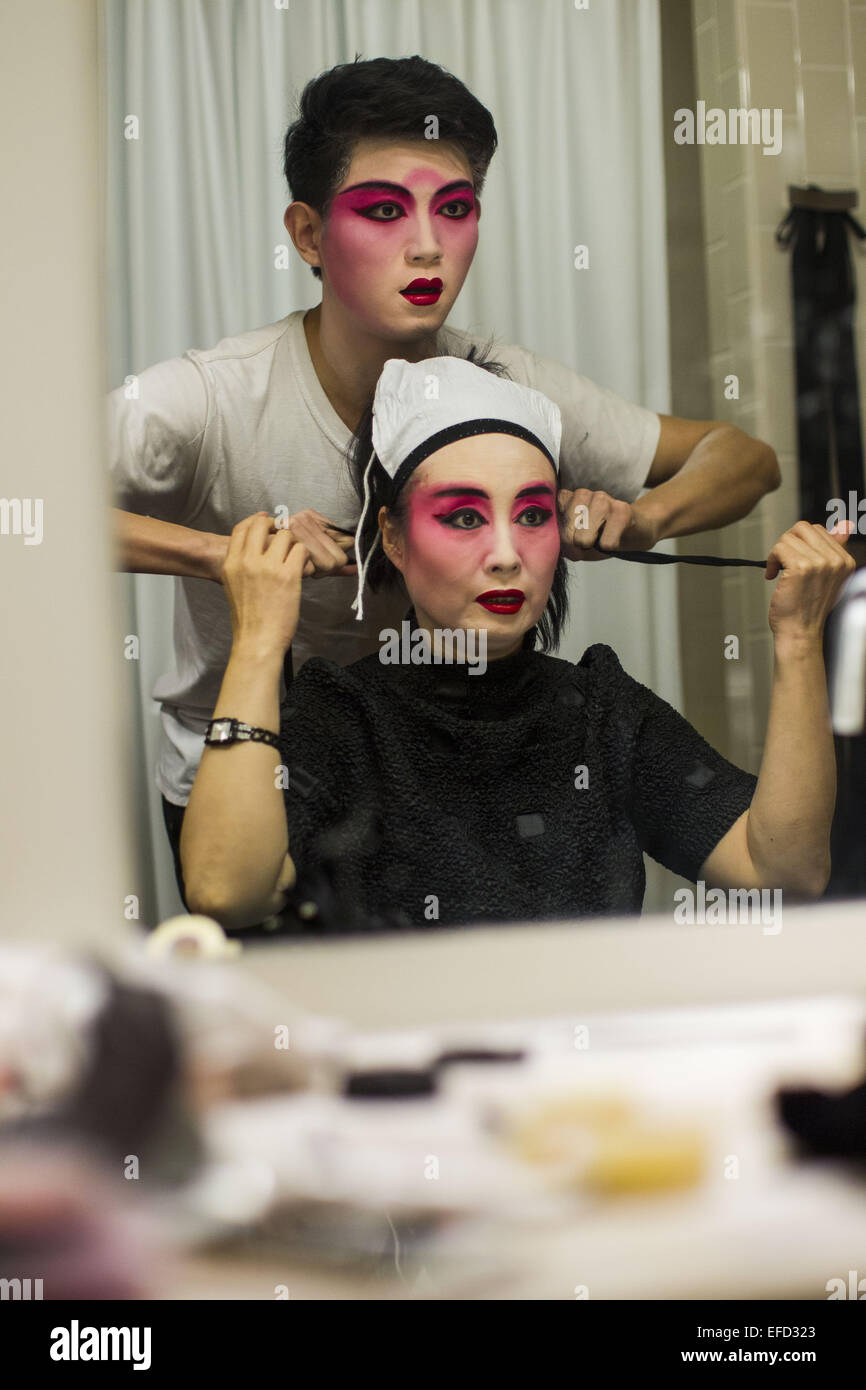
(425, 794)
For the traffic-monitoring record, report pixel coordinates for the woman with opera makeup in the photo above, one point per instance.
(423, 791)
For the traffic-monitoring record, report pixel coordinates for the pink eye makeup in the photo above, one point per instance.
(461, 504)
(462, 203)
(531, 502)
(372, 204)
(455, 519)
(539, 503)
(543, 515)
(368, 209)
(367, 199)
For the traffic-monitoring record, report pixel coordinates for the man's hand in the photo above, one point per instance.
(326, 545)
(592, 522)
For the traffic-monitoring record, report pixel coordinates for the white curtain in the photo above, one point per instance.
(195, 209)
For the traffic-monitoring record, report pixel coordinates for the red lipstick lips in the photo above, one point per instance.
(502, 600)
(422, 291)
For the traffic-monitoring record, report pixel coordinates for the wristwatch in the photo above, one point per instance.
(225, 731)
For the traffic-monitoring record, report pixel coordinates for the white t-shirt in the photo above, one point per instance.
(246, 426)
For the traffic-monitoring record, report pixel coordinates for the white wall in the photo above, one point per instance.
(66, 835)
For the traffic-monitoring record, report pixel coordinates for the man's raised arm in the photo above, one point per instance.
(146, 545)
(704, 474)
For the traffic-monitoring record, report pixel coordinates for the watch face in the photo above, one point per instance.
(221, 731)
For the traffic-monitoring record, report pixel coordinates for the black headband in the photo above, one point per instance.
(462, 430)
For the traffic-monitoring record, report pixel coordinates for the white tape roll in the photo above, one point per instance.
(191, 935)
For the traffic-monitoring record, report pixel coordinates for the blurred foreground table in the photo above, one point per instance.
(723, 1014)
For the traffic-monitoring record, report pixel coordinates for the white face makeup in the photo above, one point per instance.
(481, 542)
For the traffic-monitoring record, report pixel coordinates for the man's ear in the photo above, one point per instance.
(391, 540)
(304, 226)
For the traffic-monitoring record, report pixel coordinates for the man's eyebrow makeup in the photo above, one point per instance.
(384, 186)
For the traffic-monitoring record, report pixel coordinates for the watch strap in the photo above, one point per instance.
(225, 731)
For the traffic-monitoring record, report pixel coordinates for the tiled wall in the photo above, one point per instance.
(807, 57)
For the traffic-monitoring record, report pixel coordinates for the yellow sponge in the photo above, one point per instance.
(598, 1142)
(554, 1129)
(641, 1159)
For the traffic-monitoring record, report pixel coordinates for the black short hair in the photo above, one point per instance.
(385, 98)
(381, 573)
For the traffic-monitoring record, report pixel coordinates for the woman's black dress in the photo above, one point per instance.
(425, 795)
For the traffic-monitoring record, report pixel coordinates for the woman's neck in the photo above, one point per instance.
(480, 636)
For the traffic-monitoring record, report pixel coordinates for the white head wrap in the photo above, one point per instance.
(420, 407)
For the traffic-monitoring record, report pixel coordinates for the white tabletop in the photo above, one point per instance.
(699, 1022)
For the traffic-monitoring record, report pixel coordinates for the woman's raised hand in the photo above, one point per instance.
(812, 565)
(262, 575)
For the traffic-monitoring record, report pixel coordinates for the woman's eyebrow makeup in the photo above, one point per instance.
(533, 490)
(536, 490)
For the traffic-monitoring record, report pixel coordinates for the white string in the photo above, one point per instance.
(362, 567)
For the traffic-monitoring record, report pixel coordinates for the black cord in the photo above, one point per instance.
(651, 557)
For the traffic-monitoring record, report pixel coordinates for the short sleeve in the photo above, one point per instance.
(155, 429)
(608, 443)
(684, 795)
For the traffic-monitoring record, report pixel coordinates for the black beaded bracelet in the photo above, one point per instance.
(222, 732)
